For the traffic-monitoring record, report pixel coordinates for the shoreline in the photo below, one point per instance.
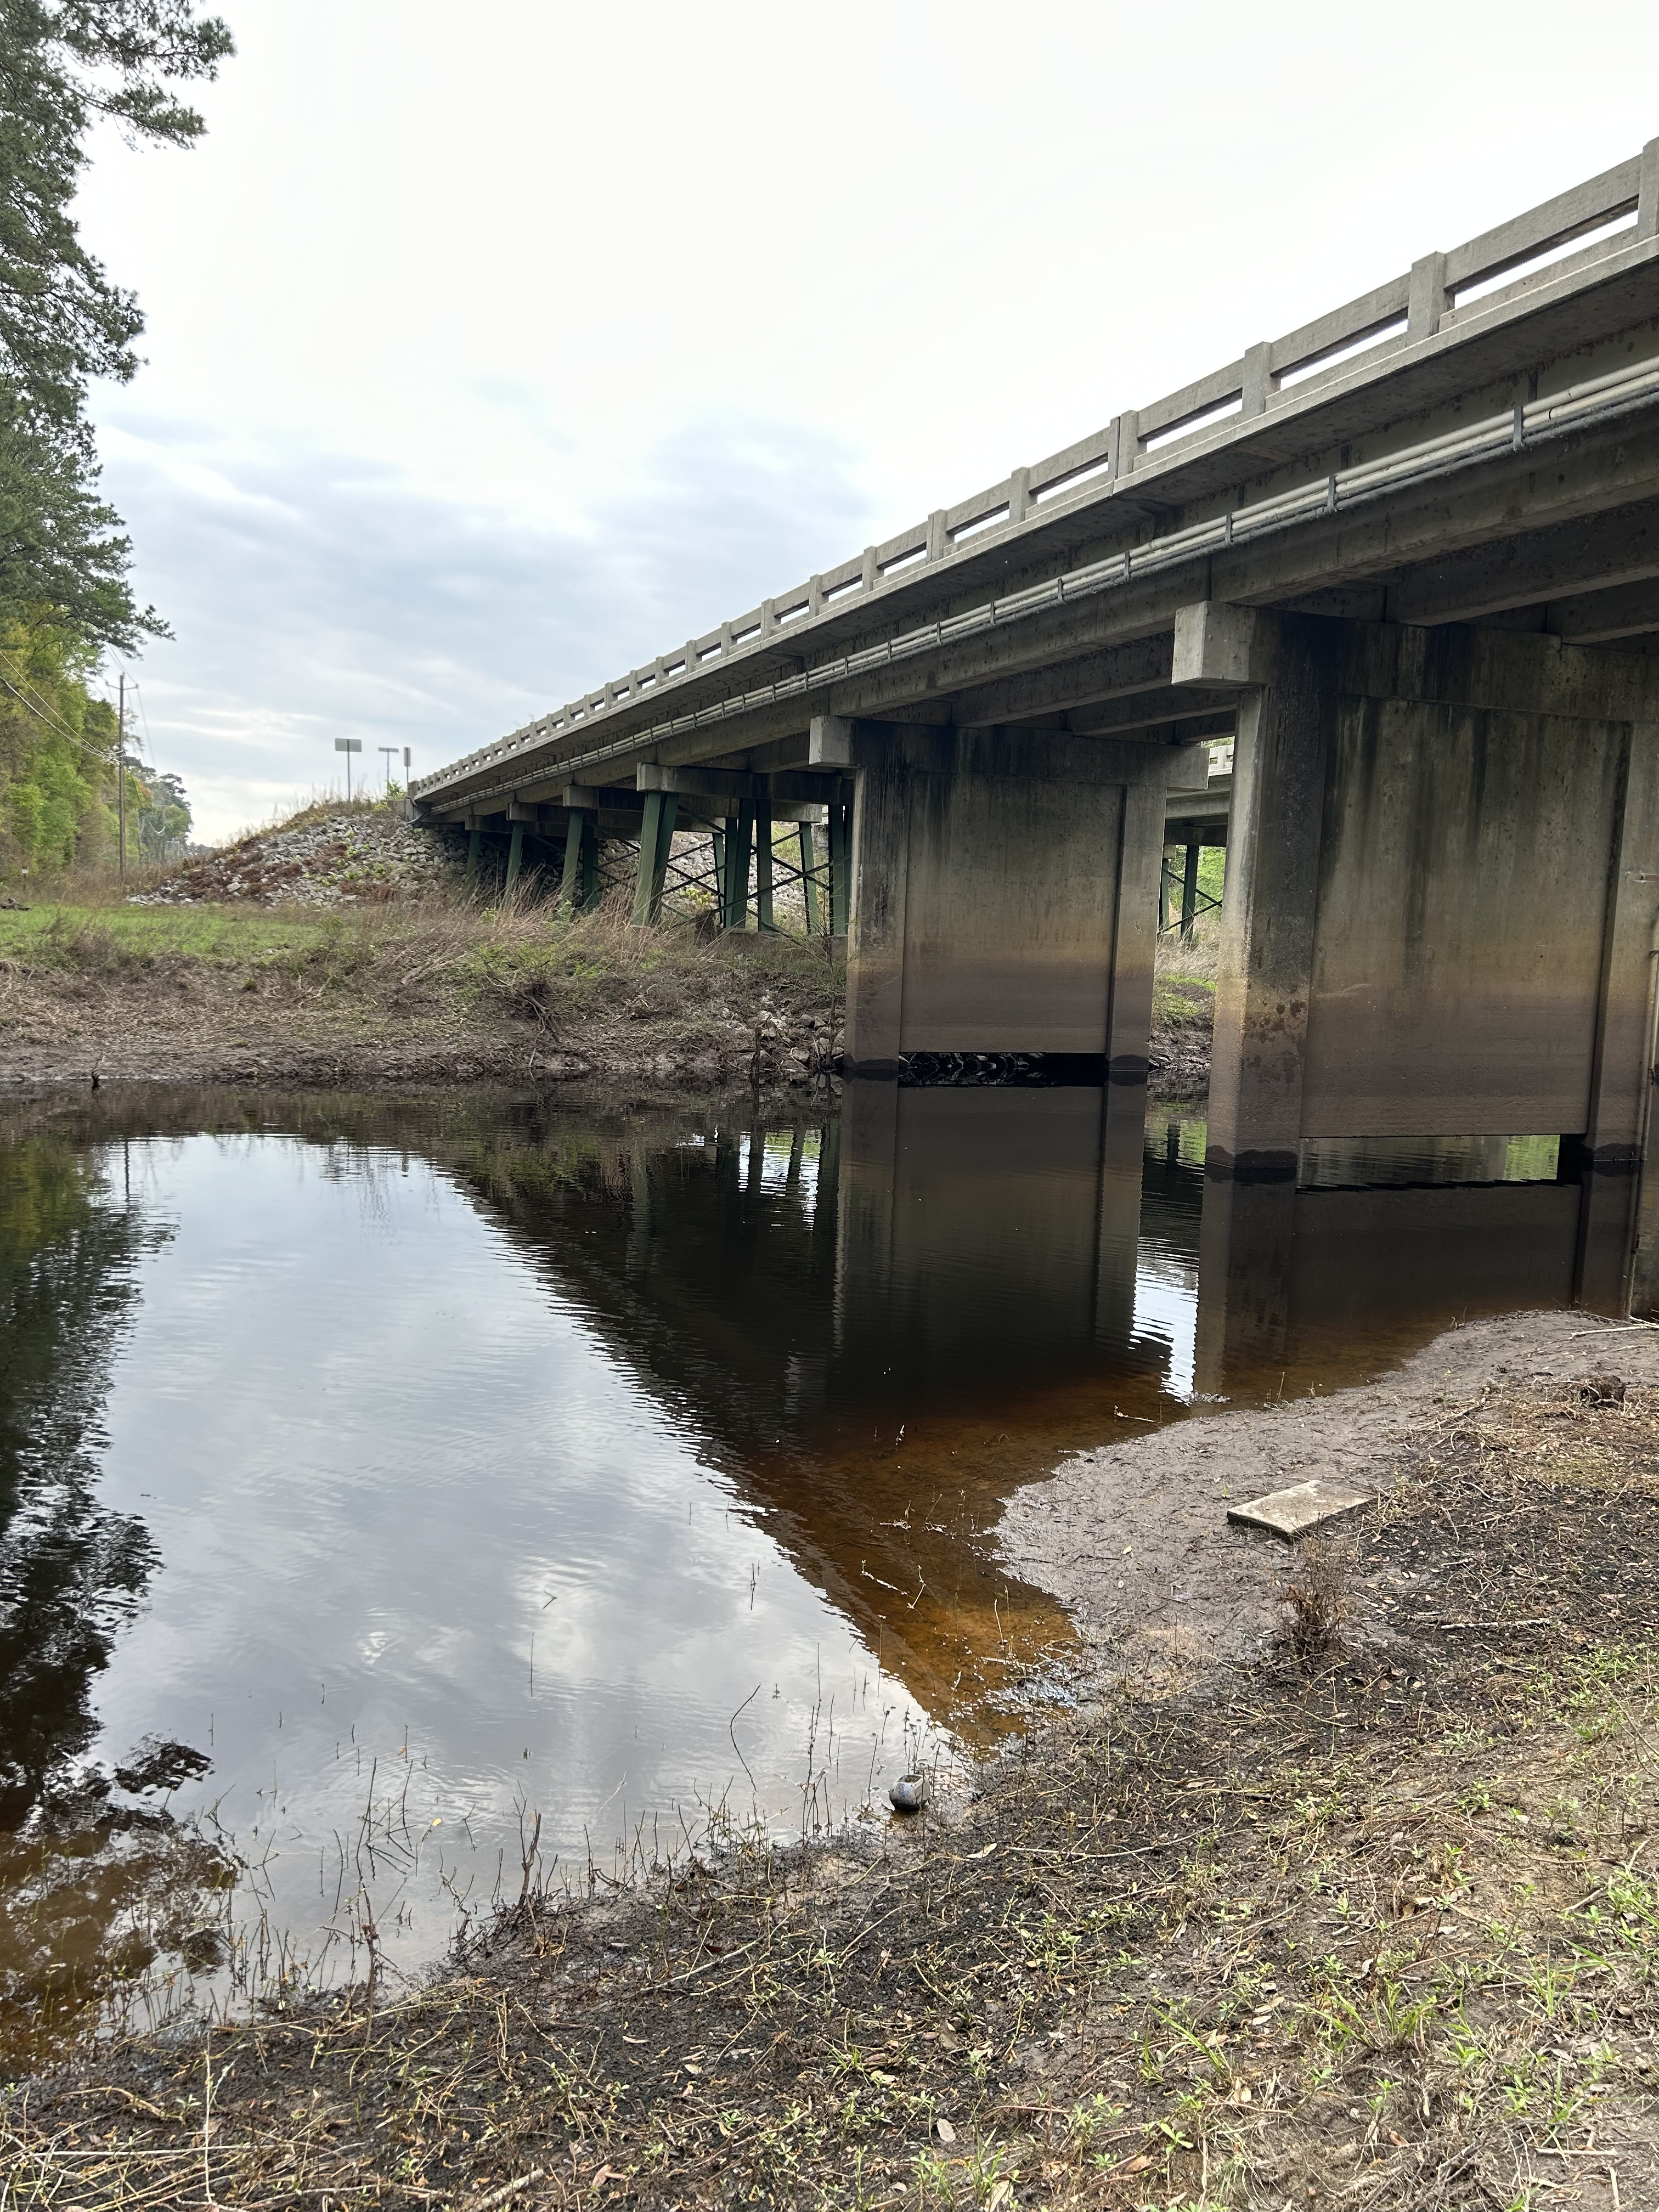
(383, 996)
(1240, 1921)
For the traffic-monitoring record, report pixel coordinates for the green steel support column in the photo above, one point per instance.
(719, 837)
(474, 839)
(745, 844)
(728, 864)
(589, 860)
(666, 821)
(840, 867)
(1163, 893)
(514, 856)
(763, 857)
(570, 883)
(1189, 893)
(645, 875)
(809, 889)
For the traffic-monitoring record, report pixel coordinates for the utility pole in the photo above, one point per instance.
(121, 770)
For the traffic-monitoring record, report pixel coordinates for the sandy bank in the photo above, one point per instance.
(1133, 1538)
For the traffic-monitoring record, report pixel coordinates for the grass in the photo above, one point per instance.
(1183, 1008)
(109, 937)
(1381, 1928)
(166, 989)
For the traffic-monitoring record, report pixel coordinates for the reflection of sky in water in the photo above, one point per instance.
(401, 1493)
(527, 1481)
(1166, 1309)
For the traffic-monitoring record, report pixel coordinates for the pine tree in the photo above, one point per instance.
(63, 64)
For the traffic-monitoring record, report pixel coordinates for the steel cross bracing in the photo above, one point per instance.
(1320, 384)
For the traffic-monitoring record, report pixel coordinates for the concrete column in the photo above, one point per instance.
(514, 856)
(1133, 947)
(1285, 724)
(474, 840)
(1621, 1077)
(875, 930)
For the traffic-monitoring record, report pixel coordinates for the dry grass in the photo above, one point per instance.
(1193, 959)
(1317, 1599)
(1383, 1931)
(434, 988)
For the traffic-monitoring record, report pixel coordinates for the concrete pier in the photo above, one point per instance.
(1438, 922)
(1004, 895)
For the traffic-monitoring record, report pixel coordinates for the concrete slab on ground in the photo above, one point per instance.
(1306, 1505)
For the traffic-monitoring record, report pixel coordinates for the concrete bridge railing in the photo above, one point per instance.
(1363, 340)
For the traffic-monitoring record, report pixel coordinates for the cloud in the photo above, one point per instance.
(315, 593)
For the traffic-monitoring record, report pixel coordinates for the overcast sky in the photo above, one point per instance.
(493, 351)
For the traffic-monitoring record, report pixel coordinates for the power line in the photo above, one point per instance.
(62, 729)
(40, 707)
(136, 690)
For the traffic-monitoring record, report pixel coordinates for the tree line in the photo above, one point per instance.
(66, 596)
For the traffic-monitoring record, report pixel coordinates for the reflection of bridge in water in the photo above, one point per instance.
(880, 1325)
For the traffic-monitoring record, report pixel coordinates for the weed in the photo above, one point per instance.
(1317, 1601)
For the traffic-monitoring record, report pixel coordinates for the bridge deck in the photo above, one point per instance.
(1374, 453)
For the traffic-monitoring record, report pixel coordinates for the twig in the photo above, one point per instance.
(509, 2188)
(1542, 1622)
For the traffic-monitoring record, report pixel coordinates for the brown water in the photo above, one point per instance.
(378, 1475)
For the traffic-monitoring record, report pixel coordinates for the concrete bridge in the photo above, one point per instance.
(1407, 558)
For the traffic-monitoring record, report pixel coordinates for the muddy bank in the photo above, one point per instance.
(1133, 1537)
(1374, 1923)
(515, 1056)
(1183, 1025)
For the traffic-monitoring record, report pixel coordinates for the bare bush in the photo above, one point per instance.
(1317, 1601)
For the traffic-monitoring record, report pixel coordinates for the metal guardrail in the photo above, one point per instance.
(1358, 341)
